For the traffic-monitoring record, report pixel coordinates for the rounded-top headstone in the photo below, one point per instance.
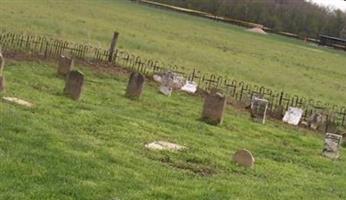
(135, 86)
(244, 158)
(2, 78)
(74, 84)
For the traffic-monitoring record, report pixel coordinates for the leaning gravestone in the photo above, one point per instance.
(214, 108)
(332, 145)
(244, 158)
(2, 77)
(135, 86)
(293, 116)
(259, 109)
(74, 84)
(65, 65)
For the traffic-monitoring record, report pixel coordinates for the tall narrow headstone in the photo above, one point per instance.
(259, 110)
(332, 145)
(65, 65)
(214, 108)
(74, 84)
(2, 83)
(135, 86)
(2, 77)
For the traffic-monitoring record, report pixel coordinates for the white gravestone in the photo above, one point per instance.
(293, 116)
(190, 87)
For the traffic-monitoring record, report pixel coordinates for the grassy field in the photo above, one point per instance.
(273, 61)
(94, 149)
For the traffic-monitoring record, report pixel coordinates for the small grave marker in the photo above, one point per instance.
(74, 84)
(214, 108)
(244, 158)
(293, 116)
(65, 65)
(135, 86)
(17, 101)
(162, 145)
(190, 87)
(332, 145)
(166, 90)
(259, 109)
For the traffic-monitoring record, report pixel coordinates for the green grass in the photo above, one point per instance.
(94, 148)
(273, 61)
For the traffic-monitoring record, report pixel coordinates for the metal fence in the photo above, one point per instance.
(239, 91)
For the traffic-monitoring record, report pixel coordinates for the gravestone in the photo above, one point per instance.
(65, 65)
(2, 77)
(316, 120)
(259, 109)
(214, 108)
(244, 158)
(74, 84)
(2, 83)
(166, 90)
(190, 87)
(332, 145)
(135, 86)
(163, 145)
(169, 81)
(293, 116)
(17, 101)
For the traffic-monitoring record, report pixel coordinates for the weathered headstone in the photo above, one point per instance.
(259, 109)
(214, 108)
(293, 116)
(316, 120)
(244, 158)
(65, 65)
(74, 84)
(332, 145)
(162, 145)
(2, 83)
(135, 86)
(2, 77)
(169, 81)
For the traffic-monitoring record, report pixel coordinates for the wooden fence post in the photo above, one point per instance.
(113, 45)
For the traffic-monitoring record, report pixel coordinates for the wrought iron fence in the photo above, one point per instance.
(240, 91)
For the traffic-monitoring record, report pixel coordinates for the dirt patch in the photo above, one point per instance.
(95, 66)
(257, 30)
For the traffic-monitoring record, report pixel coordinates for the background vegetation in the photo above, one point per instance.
(295, 16)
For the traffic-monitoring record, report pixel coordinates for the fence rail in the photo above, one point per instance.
(240, 91)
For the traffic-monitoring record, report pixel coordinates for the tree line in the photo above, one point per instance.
(294, 16)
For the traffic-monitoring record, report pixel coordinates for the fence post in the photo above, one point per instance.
(113, 45)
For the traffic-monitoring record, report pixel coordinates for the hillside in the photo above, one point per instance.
(274, 61)
(94, 149)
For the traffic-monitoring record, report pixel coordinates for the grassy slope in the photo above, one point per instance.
(187, 41)
(94, 149)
